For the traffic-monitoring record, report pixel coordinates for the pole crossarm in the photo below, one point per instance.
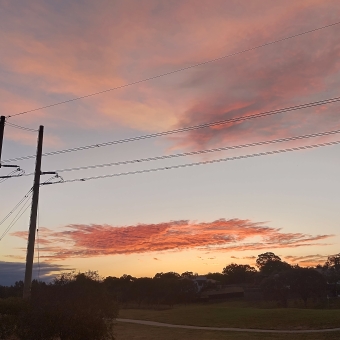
(9, 166)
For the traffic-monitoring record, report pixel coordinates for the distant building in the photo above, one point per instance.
(223, 293)
(210, 289)
(201, 282)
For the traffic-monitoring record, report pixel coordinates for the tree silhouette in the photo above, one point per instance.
(307, 283)
(238, 273)
(269, 263)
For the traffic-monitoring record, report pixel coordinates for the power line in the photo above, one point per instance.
(267, 153)
(185, 129)
(176, 71)
(16, 206)
(25, 207)
(198, 152)
(9, 175)
(20, 127)
(16, 218)
(12, 175)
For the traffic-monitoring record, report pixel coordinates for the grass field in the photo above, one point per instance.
(124, 331)
(240, 316)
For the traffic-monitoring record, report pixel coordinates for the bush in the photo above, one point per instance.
(74, 307)
(10, 310)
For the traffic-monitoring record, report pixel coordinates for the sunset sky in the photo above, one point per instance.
(198, 218)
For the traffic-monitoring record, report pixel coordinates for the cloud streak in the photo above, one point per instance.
(81, 241)
(307, 260)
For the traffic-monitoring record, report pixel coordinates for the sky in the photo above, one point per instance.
(197, 218)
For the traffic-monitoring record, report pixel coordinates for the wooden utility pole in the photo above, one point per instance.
(2, 128)
(33, 219)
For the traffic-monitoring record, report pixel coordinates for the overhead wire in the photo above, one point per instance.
(10, 174)
(267, 153)
(22, 210)
(16, 206)
(17, 217)
(177, 70)
(20, 127)
(184, 129)
(198, 152)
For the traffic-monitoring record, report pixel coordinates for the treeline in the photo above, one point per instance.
(82, 305)
(276, 279)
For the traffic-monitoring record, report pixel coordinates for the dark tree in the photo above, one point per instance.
(75, 306)
(166, 288)
(307, 283)
(269, 263)
(217, 277)
(331, 270)
(187, 291)
(168, 275)
(120, 288)
(333, 261)
(238, 273)
(276, 287)
(142, 290)
(188, 275)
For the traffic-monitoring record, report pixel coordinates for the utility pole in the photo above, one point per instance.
(2, 128)
(33, 219)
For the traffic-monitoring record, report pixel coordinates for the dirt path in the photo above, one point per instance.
(160, 324)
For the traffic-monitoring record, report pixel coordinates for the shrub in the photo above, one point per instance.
(10, 310)
(74, 307)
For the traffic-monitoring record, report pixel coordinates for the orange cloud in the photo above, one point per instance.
(307, 260)
(249, 257)
(220, 235)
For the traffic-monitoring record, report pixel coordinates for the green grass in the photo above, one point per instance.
(125, 331)
(240, 316)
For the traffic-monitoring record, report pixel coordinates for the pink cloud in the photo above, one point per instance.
(54, 52)
(298, 75)
(219, 236)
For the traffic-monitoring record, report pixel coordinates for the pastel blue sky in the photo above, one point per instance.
(197, 218)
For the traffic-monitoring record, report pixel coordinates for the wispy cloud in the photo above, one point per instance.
(218, 236)
(268, 79)
(307, 260)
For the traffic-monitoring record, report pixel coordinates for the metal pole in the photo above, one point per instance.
(33, 219)
(2, 128)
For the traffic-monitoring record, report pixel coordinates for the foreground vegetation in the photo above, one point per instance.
(73, 307)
